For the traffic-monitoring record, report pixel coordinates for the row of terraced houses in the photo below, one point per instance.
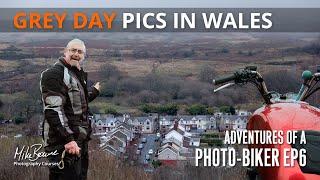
(104, 123)
(180, 133)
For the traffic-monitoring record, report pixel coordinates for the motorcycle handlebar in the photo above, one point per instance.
(248, 74)
(224, 79)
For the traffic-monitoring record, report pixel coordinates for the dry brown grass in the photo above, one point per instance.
(8, 65)
(102, 166)
(134, 67)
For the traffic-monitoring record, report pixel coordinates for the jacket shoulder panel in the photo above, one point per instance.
(54, 72)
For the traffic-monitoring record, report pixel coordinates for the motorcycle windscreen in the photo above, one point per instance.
(312, 148)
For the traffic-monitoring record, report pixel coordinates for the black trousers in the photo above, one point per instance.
(75, 167)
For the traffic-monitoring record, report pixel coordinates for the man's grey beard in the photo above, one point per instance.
(74, 63)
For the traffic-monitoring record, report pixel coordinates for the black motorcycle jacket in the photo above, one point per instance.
(65, 98)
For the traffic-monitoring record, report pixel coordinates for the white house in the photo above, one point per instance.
(115, 144)
(199, 122)
(127, 129)
(166, 122)
(212, 124)
(128, 135)
(243, 113)
(142, 124)
(116, 140)
(173, 134)
(177, 134)
(240, 123)
(105, 123)
(168, 153)
(188, 122)
(233, 122)
(177, 141)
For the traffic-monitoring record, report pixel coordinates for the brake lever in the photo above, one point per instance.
(222, 87)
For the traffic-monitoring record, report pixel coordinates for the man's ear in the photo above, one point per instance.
(85, 55)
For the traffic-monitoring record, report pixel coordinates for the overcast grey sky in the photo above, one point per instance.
(159, 3)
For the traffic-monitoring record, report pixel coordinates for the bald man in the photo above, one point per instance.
(66, 125)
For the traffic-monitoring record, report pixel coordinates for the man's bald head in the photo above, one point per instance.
(76, 42)
(74, 53)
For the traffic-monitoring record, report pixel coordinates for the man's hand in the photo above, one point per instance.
(97, 86)
(72, 148)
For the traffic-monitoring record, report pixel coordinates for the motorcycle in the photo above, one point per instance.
(283, 112)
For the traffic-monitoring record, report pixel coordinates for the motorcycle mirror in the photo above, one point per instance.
(222, 87)
(306, 75)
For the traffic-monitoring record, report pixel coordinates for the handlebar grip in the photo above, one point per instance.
(224, 79)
